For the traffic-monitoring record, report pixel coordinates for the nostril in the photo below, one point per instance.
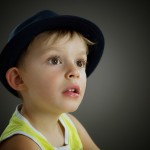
(72, 74)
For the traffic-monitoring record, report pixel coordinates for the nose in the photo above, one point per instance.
(72, 73)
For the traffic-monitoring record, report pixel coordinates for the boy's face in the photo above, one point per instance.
(54, 74)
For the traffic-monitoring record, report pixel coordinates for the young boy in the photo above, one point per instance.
(45, 63)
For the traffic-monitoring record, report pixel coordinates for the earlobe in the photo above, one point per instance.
(14, 79)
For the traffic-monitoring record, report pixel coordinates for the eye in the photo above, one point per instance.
(54, 60)
(81, 63)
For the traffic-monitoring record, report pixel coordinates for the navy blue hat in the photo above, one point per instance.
(42, 21)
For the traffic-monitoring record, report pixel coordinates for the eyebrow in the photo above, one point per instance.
(83, 52)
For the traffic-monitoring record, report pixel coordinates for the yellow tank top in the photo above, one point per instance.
(20, 125)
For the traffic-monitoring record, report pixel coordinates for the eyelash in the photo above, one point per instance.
(56, 60)
(81, 63)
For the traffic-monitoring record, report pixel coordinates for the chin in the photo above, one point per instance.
(71, 109)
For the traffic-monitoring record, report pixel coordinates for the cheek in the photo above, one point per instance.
(45, 81)
(83, 80)
(38, 87)
(33, 79)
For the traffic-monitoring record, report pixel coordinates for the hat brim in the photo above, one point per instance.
(22, 39)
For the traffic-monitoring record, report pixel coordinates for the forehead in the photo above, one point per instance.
(48, 39)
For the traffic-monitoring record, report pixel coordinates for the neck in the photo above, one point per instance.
(46, 123)
(40, 119)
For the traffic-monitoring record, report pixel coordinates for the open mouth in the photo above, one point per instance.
(73, 91)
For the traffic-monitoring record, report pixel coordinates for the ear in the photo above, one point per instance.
(14, 79)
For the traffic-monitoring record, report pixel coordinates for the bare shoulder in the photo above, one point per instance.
(84, 136)
(18, 142)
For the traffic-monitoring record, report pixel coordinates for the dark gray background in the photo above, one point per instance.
(115, 109)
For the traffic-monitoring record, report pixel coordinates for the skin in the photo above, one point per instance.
(47, 72)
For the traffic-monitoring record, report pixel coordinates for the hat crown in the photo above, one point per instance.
(35, 18)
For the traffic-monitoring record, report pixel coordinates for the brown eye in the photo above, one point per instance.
(81, 63)
(55, 60)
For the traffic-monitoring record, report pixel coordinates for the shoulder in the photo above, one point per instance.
(18, 142)
(84, 136)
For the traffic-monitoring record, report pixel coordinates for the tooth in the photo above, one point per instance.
(71, 90)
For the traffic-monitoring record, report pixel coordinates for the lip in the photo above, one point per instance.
(72, 91)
